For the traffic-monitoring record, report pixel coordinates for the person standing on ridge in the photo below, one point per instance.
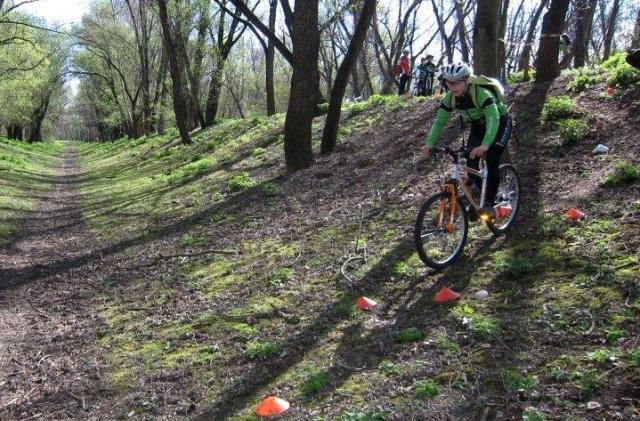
(475, 98)
(403, 69)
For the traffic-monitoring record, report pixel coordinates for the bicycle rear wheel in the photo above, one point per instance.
(440, 244)
(507, 200)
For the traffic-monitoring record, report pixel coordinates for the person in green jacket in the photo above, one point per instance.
(490, 125)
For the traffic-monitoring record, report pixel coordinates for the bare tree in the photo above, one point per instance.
(610, 28)
(462, 31)
(525, 57)
(584, 21)
(330, 132)
(502, 53)
(387, 56)
(446, 39)
(547, 67)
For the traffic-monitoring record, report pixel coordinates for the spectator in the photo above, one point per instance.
(403, 70)
(565, 49)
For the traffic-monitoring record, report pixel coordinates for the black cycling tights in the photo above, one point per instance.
(493, 156)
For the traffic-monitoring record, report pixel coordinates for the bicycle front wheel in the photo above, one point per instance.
(439, 238)
(507, 200)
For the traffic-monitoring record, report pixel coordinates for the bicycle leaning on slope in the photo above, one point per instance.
(442, 224)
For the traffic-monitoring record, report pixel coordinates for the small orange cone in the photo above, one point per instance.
(503, 211)
(574, 213)
(365, 303)
(272, 406)
(445, 295)
(610, 90)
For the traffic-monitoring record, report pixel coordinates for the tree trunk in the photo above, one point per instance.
(330, 132)
(179, 103)
(213, 99)
(611, 27)
(304, 86)
(270, 60)
(635, 41)
(547, 67)
(524, 62)
(584, 23)
(462, 31)
(37, 118)
(14, 132)
(485, 38)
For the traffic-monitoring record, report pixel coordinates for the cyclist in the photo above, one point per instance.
(490, 125)
(429, 71)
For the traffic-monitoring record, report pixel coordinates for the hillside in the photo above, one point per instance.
(141, 281)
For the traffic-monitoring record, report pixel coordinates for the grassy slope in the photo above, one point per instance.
(278, 317)
(187, 329)
(24, 171)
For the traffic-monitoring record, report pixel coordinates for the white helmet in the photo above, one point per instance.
(456, 71)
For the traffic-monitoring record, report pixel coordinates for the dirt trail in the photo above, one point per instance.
(37, 306)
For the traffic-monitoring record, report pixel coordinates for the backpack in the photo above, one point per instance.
(490, 83)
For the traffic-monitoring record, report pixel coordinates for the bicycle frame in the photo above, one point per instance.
(458, 174)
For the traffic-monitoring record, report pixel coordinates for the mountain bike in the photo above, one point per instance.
(443, 220)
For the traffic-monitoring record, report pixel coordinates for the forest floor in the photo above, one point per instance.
(142, 282)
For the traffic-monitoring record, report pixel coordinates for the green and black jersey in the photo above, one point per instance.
(488, 110)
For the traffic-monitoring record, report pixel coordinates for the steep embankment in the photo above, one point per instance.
(216, 279)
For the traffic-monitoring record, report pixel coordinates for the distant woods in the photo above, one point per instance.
(141, 66)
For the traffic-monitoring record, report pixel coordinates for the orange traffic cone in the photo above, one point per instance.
(574, 213)
(445, 295)
(272, 406)
(502, 211)
(610, 90)
(365, 303)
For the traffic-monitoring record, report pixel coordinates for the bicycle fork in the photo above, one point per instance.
(449, 189)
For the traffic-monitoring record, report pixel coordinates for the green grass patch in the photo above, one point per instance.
(514, 381)
(557, 108)
(532, 414)
(623, 173)
(572, 131)
(240, 182)
(621, 73)
(584, 78)
(263, 350)
(389, 368)
(411, 334)
(425, 389)
(314, 380)
(280, 276)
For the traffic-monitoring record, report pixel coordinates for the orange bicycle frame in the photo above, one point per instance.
(450, 190)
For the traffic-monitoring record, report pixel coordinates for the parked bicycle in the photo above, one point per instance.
(443, 220)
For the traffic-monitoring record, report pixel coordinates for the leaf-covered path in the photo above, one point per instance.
(44, 282)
